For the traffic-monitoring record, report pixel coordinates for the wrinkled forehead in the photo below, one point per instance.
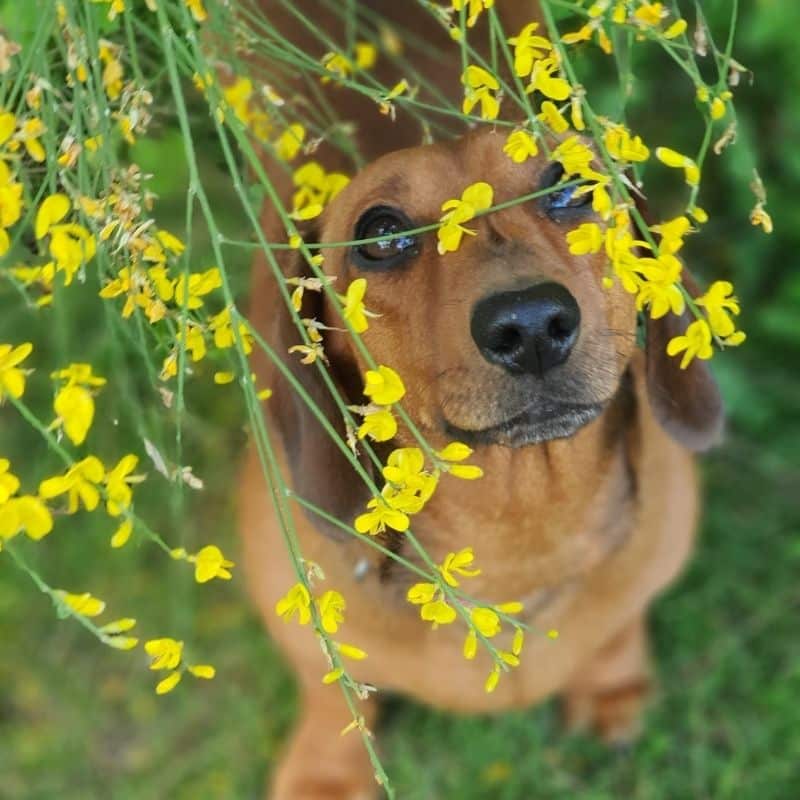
(420, 179)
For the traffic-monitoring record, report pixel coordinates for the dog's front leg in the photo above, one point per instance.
(609, 693)
(320, 763)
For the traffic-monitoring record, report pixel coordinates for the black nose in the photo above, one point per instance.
(528, 331)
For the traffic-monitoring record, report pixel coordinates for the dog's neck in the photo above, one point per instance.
(542, 515)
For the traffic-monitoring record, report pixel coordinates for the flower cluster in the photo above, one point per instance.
(167, 655)
(329, 609)
(436, 605)
(409, 486)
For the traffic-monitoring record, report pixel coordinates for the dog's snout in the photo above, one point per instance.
(530, 331)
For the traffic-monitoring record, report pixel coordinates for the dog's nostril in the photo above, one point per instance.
(560, 328)
(506, 341)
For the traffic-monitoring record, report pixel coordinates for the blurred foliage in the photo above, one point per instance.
(78, 720)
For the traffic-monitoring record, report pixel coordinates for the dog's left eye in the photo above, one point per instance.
(561, 204)
(383, 253)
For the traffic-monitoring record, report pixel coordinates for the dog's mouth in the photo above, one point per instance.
(534, 425)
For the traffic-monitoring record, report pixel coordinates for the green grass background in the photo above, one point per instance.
(78, 720)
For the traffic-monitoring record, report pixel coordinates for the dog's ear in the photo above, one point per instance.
(320, 472)
(686, 402)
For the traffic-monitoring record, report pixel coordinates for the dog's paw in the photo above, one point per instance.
(615, 714)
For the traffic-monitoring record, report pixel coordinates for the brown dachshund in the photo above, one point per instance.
(589, 500)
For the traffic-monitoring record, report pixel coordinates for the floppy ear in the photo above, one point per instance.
(686, 402)
(320, 472)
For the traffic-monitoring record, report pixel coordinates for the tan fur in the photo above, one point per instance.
(585, 531)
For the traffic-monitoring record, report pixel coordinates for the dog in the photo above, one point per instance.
(589, 501)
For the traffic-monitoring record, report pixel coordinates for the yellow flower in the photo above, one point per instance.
(622, 146)
(349, 651)
(332, 676)
(204, 671)
(118, 490)
(9, 483)
(719, 304)
(585, 239)
(331, 610)
(164, 653)
(24, 513)
(475, 8)
(366, 55)
(210, 563)
(649, 14)
(470, 645)
(583, 34)
(198, 285)
(528, 48)
(381, 516)
(458, 564)
(421, 593)
(169, 683)
(12, 378)
(224, 336)
(118, 626)
(405, 467)
(30, 132)
(314, 188)
(661, 290)
(114, 7)
(542, 80)
(439, 612)
(383, 386)
(486, 621)
(74, 407)
(672, 158)
(83, 604)
(574, 156)
(8, 123)
(385, 104)
(672, 233)
(601, 201)
(475, 198)
(478, 87)
(80, 483)
(457, 451)
(676, 29)
(520, 146)
(296, 601)
(380, 425)
(552, 117)
(354, 311)
(71, 246)
(192, 338)
(492, 680)
(52, 210)
(695, 343)
(290, 141)
(11, 202)
(122, 534)
(113, 73)
(198, 10)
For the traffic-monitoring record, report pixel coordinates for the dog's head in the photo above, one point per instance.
(511, 339)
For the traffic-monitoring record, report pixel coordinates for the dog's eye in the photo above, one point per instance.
(384, 221)
(561, 204)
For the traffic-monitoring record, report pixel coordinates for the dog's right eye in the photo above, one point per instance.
(391, 245)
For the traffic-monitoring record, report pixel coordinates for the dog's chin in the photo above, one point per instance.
(532, 426)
